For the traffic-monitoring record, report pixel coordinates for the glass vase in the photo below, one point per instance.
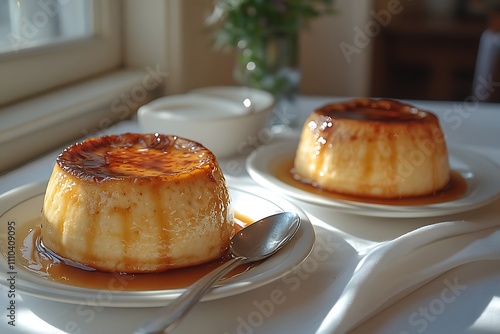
(271, 64)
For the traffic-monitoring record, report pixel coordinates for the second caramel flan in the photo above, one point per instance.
(373, 148)
(137, 203)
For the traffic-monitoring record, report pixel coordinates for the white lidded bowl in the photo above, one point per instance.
(216, 117)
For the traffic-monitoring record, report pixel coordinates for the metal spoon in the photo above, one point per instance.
(255, 242)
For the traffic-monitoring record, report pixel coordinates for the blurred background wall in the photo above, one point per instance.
(387, 48)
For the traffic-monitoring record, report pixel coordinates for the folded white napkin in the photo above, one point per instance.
(395, 268)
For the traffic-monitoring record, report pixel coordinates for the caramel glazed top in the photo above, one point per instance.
(134, 156)
(383, 110)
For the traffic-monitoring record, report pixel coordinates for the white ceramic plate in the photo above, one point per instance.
(23, 205)
(481, 175)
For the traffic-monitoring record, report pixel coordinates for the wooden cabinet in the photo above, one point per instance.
(426, 58)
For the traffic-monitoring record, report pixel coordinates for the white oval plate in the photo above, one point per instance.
(23, 205)
(481, 175)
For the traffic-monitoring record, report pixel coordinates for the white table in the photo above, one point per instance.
(309, 294)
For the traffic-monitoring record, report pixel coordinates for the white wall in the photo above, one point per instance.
(170, 34)
(325, 68)
(145, 33)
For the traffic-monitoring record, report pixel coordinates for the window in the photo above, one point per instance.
(28, 24)
(60, 72)
(47, 44)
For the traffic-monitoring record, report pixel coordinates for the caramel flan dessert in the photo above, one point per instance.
(373, 148)
(137, 203)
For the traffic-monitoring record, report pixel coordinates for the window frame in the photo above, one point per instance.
(28, 72)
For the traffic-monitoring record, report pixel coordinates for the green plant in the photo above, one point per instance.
(250, 21)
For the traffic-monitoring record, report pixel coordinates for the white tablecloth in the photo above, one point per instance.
(465, 299)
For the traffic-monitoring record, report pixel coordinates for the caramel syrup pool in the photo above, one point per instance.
(456, 188)
(40, 261)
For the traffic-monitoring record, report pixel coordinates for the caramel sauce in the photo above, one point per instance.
(383, 110)
(132, 156)
(40, 261)
(455, 189)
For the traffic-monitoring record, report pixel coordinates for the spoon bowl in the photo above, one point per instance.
(261, 239)
(255, 242)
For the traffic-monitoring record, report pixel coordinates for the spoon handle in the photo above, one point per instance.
(170, 316)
